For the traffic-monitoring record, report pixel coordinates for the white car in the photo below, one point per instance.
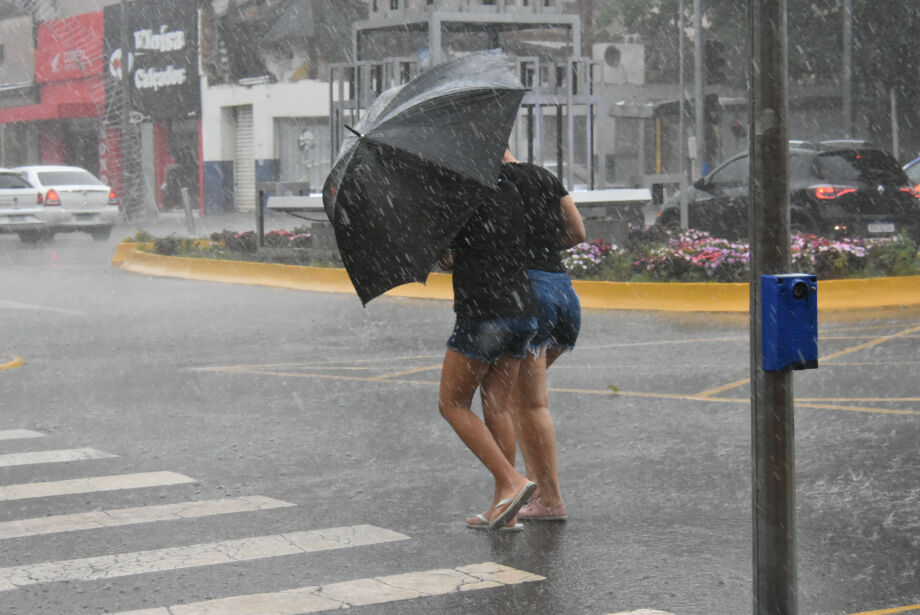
(21, 206)
(73, 199)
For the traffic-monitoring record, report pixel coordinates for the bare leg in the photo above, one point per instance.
(535, 431)
(460, 377)
(497, 388)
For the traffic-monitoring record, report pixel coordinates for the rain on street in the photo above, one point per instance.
(258, 441)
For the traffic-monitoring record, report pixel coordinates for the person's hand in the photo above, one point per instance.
(446, 262)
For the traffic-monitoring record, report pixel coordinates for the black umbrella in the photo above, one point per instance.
(407, 180)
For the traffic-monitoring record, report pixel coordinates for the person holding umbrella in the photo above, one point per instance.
(552, 222)
(495, 320)
(419, 172)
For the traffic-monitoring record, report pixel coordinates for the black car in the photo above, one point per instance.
(837, 189)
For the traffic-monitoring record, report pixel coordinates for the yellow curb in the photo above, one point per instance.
(13, 364)
(123, 249)
(669, 297)
(126, 247)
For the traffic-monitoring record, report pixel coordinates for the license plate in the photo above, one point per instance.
(84, 216)
(881, 227)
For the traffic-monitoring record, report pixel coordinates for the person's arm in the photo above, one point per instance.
(572, 231)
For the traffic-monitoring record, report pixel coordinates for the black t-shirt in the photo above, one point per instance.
(490, 274)
(541, 191)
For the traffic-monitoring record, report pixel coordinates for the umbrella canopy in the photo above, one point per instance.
(412, 176)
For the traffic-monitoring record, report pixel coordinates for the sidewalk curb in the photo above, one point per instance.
(833, 295)
(12, 364)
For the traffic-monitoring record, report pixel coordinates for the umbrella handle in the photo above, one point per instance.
(358, 134)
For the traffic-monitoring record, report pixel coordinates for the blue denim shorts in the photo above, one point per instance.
(559, 320)
(490, 340)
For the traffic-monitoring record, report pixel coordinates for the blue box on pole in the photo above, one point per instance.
(789, 321)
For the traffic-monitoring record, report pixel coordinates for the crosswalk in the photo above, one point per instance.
(303, 543)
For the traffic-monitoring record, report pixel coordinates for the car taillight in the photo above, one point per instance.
(52, 198)
(914, 191)
(113, 198)
(39, 198)
(827, 192)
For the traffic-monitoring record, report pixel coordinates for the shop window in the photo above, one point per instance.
(304, 150)
(394, 5)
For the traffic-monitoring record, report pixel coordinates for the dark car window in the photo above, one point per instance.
(12, 180)
(733, 173)
(68, 178)
(800, 165)
(869, 166)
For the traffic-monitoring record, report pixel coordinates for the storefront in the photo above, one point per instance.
(161, 98)
(65, 121)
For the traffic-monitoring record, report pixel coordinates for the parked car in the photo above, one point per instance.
(837, 189)
(80, 201)
(21, 207)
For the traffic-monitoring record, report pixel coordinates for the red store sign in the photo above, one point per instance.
(70, 48)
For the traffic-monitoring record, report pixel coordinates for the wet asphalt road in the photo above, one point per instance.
(311, 399)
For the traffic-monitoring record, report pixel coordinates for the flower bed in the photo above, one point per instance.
(658, 255)
(649, 254)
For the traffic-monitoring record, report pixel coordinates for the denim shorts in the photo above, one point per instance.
(490, 340)
(559, 318)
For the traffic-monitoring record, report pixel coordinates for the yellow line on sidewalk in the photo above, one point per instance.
(12, 364)
(900, 609)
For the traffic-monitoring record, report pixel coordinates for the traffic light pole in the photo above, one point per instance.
(772, 421)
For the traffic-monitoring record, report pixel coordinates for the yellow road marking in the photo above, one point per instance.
(390, 378)
(900, 609)
(248, 366)
(724, 387)
(13, 364)
(865, 363)
(858, 409)
(858, 337)
(857, 399)
(407, 372)
(736, 338)
(874, 342)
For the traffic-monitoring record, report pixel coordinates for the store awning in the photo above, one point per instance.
(61, 100)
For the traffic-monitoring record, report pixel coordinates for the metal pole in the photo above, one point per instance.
(530, 135)
(681, 144)
(895, 126)
(698, 83)
(560, 170)
(847, 68)
(773, 463)
(126, 187)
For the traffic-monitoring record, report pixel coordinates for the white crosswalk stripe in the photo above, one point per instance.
(19, 434)
(62, 456)
(209, 554)
(310, 599)
(131, 516)
(359, 592)
(89, 485)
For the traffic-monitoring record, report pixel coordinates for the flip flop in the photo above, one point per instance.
(514, 505)
(517, 527)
